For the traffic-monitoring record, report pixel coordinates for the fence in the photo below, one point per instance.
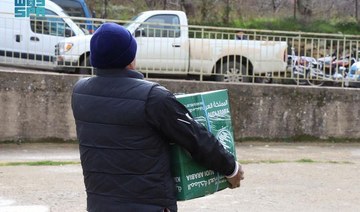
(167, 47)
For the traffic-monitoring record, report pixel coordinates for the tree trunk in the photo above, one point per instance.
(276, 5)
(203, 10)
(188, 7)
(356, 10)
(295, 9)
(150, 4)
(273, 5)
(105, 13)
(165, 3)
(303, 8)
(227, 10)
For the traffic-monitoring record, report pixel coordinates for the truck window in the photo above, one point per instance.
(50, 25)
(72, 8)
(158, 26)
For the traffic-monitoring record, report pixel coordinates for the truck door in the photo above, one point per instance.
(11, 36)
(161, 45)
(44, 34)
(12, 32)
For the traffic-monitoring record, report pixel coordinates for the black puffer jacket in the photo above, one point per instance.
(124, 125)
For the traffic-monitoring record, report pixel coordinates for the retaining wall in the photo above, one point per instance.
(37, 106)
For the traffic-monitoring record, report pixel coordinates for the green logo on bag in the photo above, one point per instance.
(225, 138)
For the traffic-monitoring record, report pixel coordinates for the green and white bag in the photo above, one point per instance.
(212, 110)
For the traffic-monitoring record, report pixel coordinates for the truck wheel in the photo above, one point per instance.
(232, 72)
(83, 66)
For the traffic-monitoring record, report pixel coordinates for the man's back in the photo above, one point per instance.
(120, 152)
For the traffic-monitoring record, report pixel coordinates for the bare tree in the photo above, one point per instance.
(188, 7)
(304, 7)
(104, 13)
(276, 5)
(207, 10)
(149, 4)
(356, 10)
(295, 8)
(154, 4)
(227, 10)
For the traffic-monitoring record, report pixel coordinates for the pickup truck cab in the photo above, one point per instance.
(164, 47)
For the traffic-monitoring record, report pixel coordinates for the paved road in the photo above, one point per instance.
(278, 177)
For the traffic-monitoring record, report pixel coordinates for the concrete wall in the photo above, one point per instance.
(37, 106)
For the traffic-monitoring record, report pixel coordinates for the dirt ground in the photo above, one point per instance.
(278, 177)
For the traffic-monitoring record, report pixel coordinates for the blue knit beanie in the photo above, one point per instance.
(112, 46)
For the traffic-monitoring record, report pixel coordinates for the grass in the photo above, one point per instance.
(304, 160)
(42, 140)
(300, 138)
(39, 163)
(345, 26)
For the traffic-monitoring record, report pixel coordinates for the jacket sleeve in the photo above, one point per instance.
(176, 124)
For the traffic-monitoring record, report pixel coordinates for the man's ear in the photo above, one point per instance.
(132, 65)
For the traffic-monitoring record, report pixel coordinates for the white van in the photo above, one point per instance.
(31, 40)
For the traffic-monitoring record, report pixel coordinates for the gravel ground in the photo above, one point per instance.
(278, 177)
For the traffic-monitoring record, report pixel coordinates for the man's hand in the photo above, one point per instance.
(235, 181)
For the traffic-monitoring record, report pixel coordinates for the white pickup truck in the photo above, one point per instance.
(165, 47)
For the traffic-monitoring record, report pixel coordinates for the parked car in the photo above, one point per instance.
(352, 78)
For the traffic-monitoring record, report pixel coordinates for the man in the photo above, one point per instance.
(241, 36)
(124, 126)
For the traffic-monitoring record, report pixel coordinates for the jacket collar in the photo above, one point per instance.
(118, 73)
